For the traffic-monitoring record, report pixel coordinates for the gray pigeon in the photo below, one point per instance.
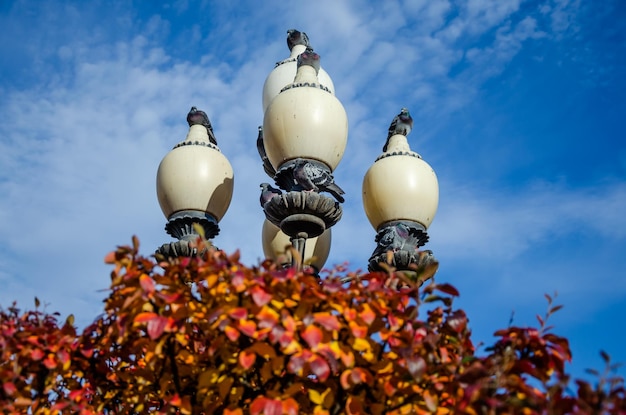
(199, 117)
(311, 176)
(308, 57)
(260, 146)
(401, 124)
(296, 37)
(267, 193)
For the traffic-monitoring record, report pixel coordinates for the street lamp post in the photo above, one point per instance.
(302, 140)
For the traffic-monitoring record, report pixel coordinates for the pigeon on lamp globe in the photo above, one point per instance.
(401, 124)
(199, 117)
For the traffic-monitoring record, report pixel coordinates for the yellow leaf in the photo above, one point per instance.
(361, 345)
(315, 397)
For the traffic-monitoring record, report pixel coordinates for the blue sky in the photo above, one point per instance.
(518, 106)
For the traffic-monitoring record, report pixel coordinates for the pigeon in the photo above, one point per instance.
(260, 146)
(401, 124)
(311, 176)
(199, 117)
(309, 57)
(267, 193)
(295, 37)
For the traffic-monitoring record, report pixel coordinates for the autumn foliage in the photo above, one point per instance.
(209, 335)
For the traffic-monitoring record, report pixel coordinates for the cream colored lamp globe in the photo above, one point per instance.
(283, 74)
(305, 122)
(400, 186)
(195, 176)
(274, 242)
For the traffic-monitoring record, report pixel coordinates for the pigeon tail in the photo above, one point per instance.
(336, 191)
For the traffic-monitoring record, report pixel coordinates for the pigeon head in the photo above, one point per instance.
(196, 116)
(310, 58)
(296, 37)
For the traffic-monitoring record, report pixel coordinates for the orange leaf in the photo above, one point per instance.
(354, 406)
(290, 406)
(232, 333)
(247, 327)
(176, 401)
(344, 379)
(21, 401)
(147, 284)
(367, 315)
(144, 317)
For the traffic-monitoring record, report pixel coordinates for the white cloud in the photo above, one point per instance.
(507, 224)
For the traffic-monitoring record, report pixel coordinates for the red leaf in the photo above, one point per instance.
(327, 320)
(156, 326)
(49, 362)
(87, 352)
(258, 405)
(320, 368)
(9, 388)
(416, 366)
(273, 407)
(359, 375)
(110, 258)
(312, 335)
(247, 359)
(64, 356)
(169, 297)
(175, 400)
(238, 313)
(260, 296)
(36, 354)
(448, 289)
(458, 322)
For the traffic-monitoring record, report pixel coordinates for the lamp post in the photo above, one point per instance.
(301, 142)
(400, 197)
(194, 186)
